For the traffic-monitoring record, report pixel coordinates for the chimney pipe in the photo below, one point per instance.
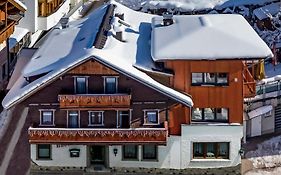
(167, 19)
(64, 22)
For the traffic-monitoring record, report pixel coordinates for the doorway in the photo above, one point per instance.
(97, 155)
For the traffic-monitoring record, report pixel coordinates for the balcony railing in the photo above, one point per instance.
(249, 83)
(98, 135)
(6, 32)
(95, 100)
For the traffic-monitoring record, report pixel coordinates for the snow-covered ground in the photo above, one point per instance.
(267, 155)
(267, 171)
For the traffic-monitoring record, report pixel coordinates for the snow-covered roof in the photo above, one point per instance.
(18, 34)
(236, 3)
(69, 47)
(222, 36)
(19, 3)
(267, 11)
(260, 111)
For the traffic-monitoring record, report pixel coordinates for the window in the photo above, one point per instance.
(47, 117)
(130, 152)
(110, 85)
(211, 150)
(81, 85)
(217, 79)
(197, 78)
(149, 152)
(222, 78)
(73, 119)
(151, 117)
(44, 151)
(95, 118)
(210, 114)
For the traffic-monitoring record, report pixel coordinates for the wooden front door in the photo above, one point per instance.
(97, 155)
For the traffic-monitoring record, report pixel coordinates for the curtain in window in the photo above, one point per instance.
(81, 85)
(130, 151)
(149, 152)
(73, 119)
(110, 85)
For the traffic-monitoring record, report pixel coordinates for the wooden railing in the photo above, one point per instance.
(6, 32)
(46, 8)
(249, 83)
(98, 135)
(95, 100)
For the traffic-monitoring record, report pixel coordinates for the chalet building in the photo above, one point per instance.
(110, 91)
(11, 11)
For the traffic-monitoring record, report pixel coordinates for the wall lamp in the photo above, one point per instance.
(115, 151)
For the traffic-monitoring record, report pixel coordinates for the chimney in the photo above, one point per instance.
(64, 22)
(167, 19)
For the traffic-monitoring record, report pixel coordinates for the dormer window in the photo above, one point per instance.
(110, 85)
(81, 84)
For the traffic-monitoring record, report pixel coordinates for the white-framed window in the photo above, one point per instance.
(81, 85)
(110, 85)
(73, 119)
(96, 118)
(47, 117)
(151, 117)
(149, 152)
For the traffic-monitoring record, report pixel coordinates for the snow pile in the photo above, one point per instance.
(267, 155)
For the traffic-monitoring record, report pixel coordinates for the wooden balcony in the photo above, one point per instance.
(249, 84)
(98, 135)
(6, 32)
(95, 101)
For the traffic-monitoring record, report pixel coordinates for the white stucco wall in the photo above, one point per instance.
(45, 23)
(168, 156)
(60, 156)
(210, 133)
(29, 21)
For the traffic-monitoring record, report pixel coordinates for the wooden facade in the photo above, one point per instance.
(131, 96)
(210, 96)
(7, 25)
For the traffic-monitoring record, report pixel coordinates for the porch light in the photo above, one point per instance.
(115, 150)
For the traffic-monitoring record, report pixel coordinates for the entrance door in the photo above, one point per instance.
(124, 119)
(97, 155)
(256, 126)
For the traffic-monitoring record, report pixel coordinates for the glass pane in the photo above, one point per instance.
(149, 152)
(222, 114)
(210, 150)
(43, 151)
(197, 114)
(223, 151)
(47, 117)
(271, 87)
(110, 86)
(198, 150)
(222, 78)
(151, 117)
(96, 118)
(73, 119)
(81, 85)
(210, 77)
(197, 78)
(209, 113)
(130, 152)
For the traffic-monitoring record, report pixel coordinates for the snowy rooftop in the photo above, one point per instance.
(20, 4)
(267, 11)
(69, 47)
(222, 36)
